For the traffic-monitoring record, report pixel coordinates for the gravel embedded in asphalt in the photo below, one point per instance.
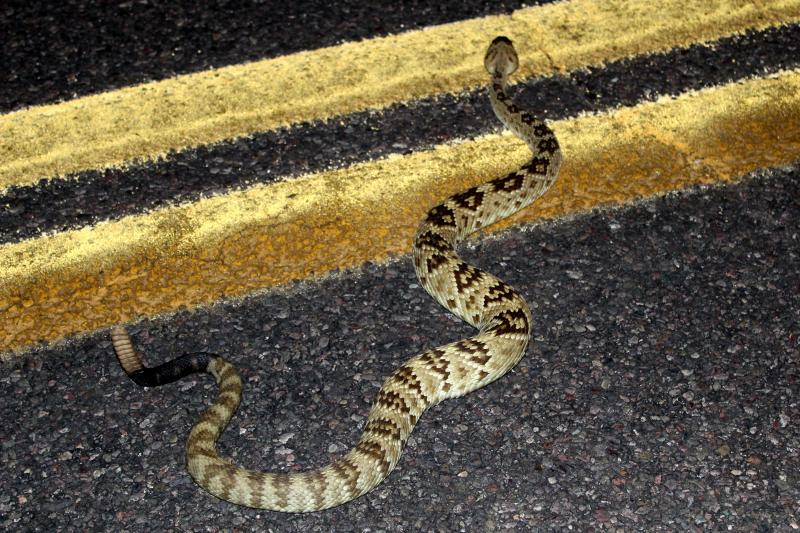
(660, 392)
(55, 50)
(83, 199)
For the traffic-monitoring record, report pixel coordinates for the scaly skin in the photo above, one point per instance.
(501, 316)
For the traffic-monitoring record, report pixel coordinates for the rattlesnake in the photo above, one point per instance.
(496, 309)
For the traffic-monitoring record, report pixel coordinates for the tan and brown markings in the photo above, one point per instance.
(501, 315)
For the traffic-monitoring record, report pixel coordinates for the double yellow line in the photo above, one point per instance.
(193, 254)
(148, 121)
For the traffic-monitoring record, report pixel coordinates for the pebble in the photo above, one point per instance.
(518, 435)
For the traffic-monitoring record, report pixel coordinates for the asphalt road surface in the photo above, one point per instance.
(661, 391)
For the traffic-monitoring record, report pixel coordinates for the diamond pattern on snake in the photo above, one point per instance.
(499, 313)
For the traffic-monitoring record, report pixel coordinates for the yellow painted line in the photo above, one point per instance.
(231, 245)
(149, 120)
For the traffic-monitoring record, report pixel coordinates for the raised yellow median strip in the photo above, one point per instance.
(149, 120)
(231, 245)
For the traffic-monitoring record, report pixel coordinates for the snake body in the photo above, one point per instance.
(500, 314)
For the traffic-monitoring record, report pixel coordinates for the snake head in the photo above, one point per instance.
(501, 58)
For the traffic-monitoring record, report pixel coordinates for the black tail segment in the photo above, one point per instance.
(191, 363)
(168, 372)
